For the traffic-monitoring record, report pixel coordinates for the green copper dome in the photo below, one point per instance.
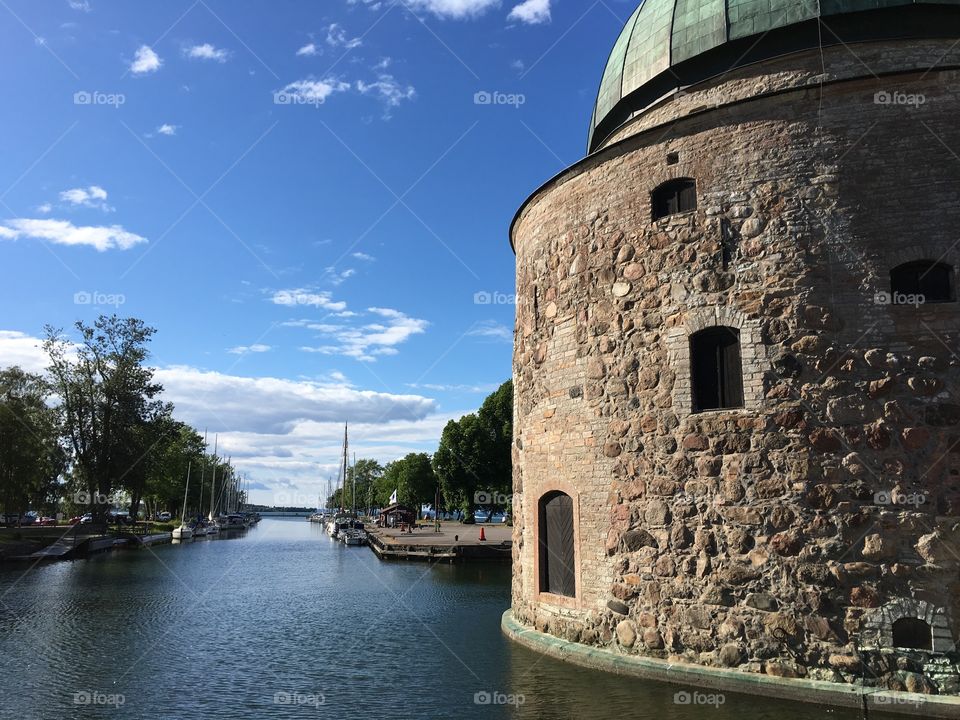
(667, 44)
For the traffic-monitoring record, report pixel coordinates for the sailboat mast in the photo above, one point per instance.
(345, 465)
(183, 515)
(213, 486)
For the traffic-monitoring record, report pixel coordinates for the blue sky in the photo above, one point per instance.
(308, 200)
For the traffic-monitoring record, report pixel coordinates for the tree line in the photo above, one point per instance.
(92, 435)
(471, 467)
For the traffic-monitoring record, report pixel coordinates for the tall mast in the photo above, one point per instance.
(213, 485)
(345, 465)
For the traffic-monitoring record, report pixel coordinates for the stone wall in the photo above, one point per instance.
(765, 538)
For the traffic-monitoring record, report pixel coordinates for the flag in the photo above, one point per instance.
(393, 498)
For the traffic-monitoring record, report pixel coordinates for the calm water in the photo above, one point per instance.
(284, 623)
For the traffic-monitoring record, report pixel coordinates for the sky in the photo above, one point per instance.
(309, 201)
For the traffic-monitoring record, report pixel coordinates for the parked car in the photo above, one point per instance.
(164, 517)
(119, 517)
(47, 521)
(86, 519)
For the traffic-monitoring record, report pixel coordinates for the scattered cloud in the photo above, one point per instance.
(313, 92)
(307, 298)
(388, 90)
(337, 37)
(367, 342)
(309, 50)
(145, 61)
(45, 208)
(90, 197)
(207, 52)
(486, 389)
(167, 129)
(445, 9)
(363, 256)
(63, 232)
(492, 330)
(531, 12)
(247, 349)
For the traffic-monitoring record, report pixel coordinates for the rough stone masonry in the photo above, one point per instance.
(787, 537)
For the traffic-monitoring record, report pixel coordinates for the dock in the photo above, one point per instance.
(453, 544)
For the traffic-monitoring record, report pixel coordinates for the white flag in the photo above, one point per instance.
(393, 498)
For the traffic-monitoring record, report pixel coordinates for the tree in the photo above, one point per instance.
(413, 478)
(108, 395)
(473, 460)
(31, 457)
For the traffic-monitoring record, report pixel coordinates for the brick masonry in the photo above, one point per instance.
(785, 537)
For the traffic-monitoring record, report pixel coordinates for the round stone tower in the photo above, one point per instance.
(737, 362)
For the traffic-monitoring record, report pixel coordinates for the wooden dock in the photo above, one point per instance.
(454, 543)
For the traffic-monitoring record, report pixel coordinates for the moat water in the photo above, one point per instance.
(284, 623)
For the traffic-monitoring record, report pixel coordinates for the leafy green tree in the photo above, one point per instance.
(32, 459)
(107, 396)
(413, 478)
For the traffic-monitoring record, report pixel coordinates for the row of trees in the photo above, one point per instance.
(471, 467)
(92, 434)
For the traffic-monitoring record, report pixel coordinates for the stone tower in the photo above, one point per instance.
(737, 361)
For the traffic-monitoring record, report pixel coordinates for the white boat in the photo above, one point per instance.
(184, 532)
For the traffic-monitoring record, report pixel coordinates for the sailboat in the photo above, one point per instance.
(213, 527)
(353, 534)
(184, 532)
(341, 520)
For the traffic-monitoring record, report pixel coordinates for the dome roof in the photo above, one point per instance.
(667, 44)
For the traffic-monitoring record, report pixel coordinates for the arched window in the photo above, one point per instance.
(557, 558)
(933, 280)
(911, 632)
(716, 371)
(674, 196)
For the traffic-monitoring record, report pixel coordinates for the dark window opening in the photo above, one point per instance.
(673, 158)
(717, 373)
(674, 196)
(912, 633)
(933, 280)
(557, 574)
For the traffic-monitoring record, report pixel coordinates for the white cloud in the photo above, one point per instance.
(91, 197)
(45, 208)
(307, 298)
(207, 52)
(309, 50)
(337, 37)
(363, 256)
(17, 348)
(446, 9)
(531, 12)
(367, 342)
(313, 92)
(167, 129)
(388, 90)
(492, 330)
(63, 232)
(145, 61)
(247, 349)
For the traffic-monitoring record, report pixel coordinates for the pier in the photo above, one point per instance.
(454, 543)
